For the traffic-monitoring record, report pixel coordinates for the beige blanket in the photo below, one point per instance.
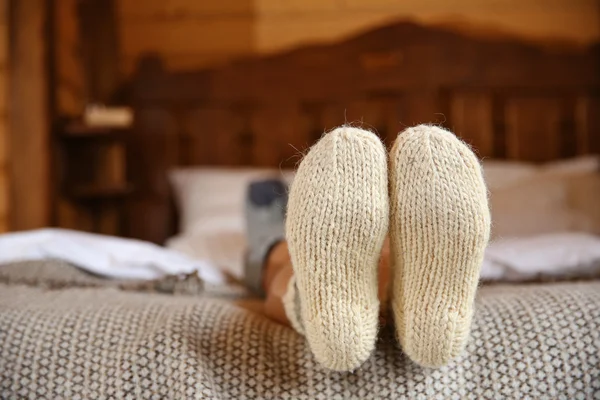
(98, 341)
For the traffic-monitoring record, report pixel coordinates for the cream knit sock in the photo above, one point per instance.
(439, 227)
(336, 223)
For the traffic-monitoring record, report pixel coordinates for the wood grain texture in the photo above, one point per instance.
(220, 34)
(70, 81)
(187, 34)
(100, 49)
(471, 116)
(533, 128)
(162, 9)
(276, 25)
(283, 24)
(4, 37)
(4, 194)
(588, 124)
(4, 122)
(29, 121)
(505, 97)
(70, 96)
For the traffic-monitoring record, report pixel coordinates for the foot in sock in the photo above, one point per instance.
(439, 227)
(336, 223)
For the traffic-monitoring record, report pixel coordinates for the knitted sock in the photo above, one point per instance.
(291, 305)
(439, 227)
(336, 223)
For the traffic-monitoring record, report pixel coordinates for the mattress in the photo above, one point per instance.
(67, 334)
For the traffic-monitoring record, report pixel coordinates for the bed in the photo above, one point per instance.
(530, 111)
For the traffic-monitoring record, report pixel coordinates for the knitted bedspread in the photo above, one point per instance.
(67, 335)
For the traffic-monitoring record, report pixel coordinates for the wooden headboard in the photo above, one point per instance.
(507, 98)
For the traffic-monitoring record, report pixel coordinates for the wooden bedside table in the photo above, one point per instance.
(92, 175)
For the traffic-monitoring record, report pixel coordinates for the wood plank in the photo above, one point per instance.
(4, 198)
(67, 22)
(4, 142)
(182, 62)
(70, 216)
(69, 66)
(4, 39)
(4, 10)
(108, 220)
(219, 34)
(4, 173)
(422, 107)
(576, 20)
(69, 102)
(471, 119)
(279, 32)
(100, 190)
(587, 122)
(224, 148)
(100, 52)
(110, 165)
(594, 125)
(277, 135)
(70, 79)
(29, 120)
(296, 7)
(377, 114)
(533, 131)
(333, 114)
(4, 91)
(134, 9)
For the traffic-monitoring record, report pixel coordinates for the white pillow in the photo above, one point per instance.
(552, 255)
(536, 206)
(212, 199)
(572, 166)
(526, 200)
(500, 174)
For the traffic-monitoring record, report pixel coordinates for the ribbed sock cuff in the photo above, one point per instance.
(291, 304)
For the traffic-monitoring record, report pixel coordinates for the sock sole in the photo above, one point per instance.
(439, 227)
(336, 223)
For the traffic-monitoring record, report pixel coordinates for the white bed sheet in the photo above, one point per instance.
(107, 256)
(552, 255)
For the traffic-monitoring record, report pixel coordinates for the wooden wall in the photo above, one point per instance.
(69, 77)
(281, 24)
(30, 178)
(4, 172)
(70, 96)
(189, 34)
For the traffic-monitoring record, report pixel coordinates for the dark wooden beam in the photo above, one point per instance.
(98, 22)
(29, 115)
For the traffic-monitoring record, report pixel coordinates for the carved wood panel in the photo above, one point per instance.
(506, 98)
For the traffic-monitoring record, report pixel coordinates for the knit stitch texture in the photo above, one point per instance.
(439, 227)
(336, 223)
